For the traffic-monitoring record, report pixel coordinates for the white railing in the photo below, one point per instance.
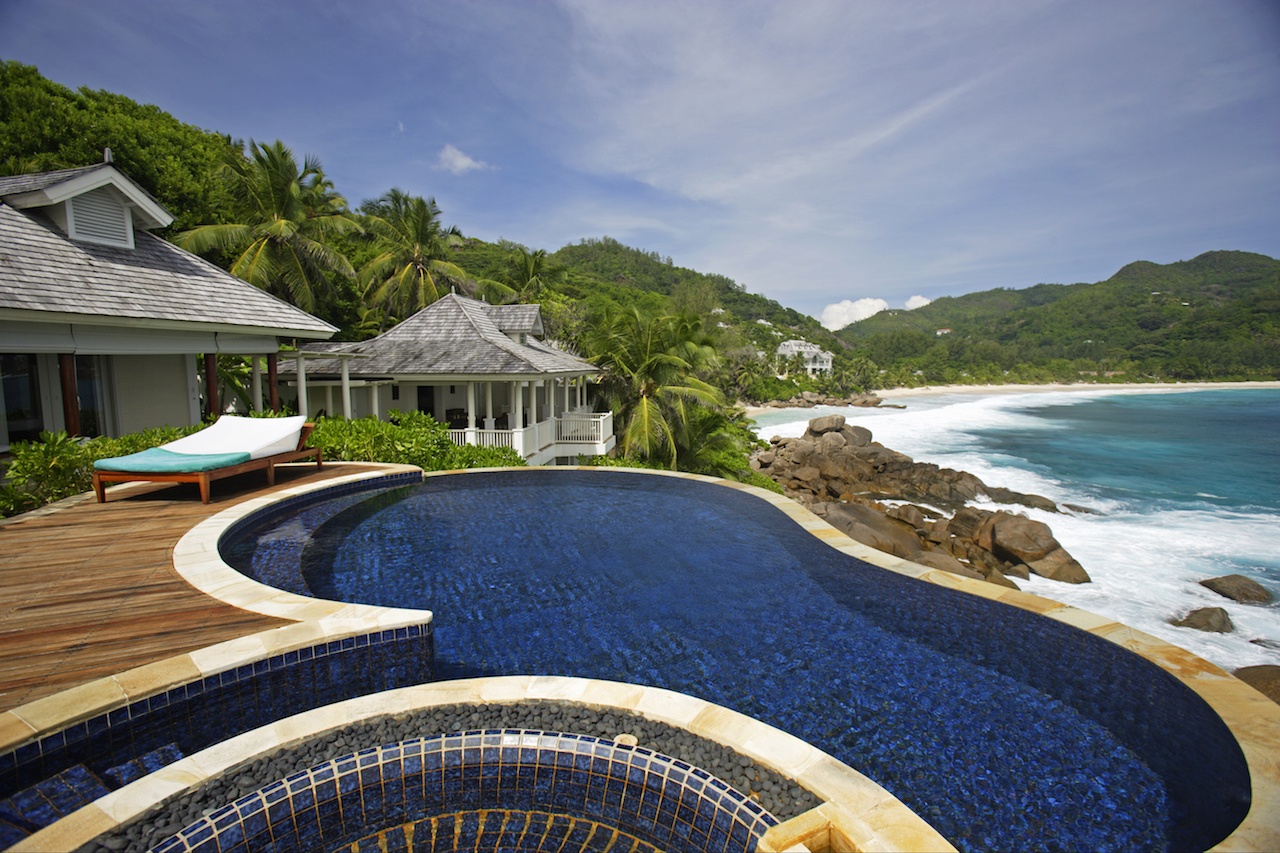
(584, 428)
(576, 429)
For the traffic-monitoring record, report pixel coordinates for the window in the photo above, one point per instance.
(20, 399)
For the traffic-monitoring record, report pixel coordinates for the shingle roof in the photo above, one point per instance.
(517, 318)
(15, 184)
(42, 270)
(452, 336)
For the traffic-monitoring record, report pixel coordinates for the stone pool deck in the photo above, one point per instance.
(102, 602)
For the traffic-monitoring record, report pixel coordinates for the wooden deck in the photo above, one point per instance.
(89, 590)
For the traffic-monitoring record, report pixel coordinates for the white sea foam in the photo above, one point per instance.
(1145, 560)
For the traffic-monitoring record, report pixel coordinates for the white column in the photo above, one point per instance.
(374, 391)
(515, 407)
(567, 406)
(471, 406)
(488, 405)
(303, 409)
(533, 404)
(328, 399)
(255, 382)
(346, 388)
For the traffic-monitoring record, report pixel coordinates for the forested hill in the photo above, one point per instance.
(1216, 316)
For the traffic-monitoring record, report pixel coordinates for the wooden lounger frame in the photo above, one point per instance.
(204, 478)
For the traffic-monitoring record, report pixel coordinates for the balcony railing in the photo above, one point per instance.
(579, 432)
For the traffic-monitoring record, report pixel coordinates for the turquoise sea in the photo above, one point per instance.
(1184, 485)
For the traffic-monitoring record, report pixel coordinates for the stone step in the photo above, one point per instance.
(49, 801)
(123, 774)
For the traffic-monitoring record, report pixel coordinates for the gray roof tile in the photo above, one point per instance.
(15, 184)
(42, 270)
(451, 336)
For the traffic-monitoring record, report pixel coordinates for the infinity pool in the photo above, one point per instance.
(1003, 729)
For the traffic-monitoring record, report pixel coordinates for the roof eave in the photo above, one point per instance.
(36, 316)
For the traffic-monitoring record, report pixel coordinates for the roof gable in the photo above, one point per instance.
(457, 336)
(45, 277)
(51, 188)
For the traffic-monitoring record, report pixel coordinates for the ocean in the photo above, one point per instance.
(1184, 485)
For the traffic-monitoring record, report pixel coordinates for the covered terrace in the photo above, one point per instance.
(482, 369)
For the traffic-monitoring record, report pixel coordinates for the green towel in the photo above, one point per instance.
(159, 461)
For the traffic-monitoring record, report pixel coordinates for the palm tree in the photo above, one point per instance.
(282, 217)
(410, 268)
(651, 367)
(527, 275)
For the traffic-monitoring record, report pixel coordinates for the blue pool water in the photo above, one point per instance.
(1002, 729)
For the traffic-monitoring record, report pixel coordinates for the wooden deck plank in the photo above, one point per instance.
(90, 590)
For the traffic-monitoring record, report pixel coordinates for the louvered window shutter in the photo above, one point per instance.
(98, 216)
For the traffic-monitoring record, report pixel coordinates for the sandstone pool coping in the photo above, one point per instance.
(857, 815)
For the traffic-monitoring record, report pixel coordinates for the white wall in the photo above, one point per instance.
(151, 391)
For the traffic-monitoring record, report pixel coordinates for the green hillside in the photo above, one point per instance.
(1216, 316)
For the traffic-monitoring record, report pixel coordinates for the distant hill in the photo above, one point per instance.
(1216, 316)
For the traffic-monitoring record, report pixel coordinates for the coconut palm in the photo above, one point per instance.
(411, 268)
(527, 275)
(651, 378)
(282, 217)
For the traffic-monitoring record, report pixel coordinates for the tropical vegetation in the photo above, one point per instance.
(678, 348)
(58, 466)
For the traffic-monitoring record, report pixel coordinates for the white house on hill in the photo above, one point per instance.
(101, 321)
(816, 359)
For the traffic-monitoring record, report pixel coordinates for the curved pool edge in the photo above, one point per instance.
(1252, 718)
(857, 813)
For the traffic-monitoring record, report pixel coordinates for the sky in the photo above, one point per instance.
(839, 157)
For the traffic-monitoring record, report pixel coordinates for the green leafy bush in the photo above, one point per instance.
(409, 438)
(58, 466)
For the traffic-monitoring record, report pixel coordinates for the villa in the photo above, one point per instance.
(101, 322)
(816, 359)
(483, 369)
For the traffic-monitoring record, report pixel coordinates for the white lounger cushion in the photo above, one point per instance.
(258, 437)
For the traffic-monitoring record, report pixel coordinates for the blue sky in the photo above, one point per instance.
(834, 156)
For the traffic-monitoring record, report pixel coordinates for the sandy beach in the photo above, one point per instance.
(934, 390)
(989, 390)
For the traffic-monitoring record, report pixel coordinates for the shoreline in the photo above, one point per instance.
(1048, 388)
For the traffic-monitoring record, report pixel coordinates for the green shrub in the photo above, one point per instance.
(58, 466)
(50, 469)
(410, 438)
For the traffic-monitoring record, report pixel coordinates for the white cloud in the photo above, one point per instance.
(917, 302)
(453, 160)
(840, 314)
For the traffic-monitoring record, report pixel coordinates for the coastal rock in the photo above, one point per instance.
(1264, 678)
(1017, 538)
(1060, 566)
(997, 577)
(1212, 619)
(1008, 496)
(838, 467)
(825, 424)
(1239, 588)
(872, 527)
(945, 562)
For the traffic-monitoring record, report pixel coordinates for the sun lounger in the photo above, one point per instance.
(232, 445)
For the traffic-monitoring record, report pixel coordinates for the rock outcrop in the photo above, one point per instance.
(809, 399)
(842, 475)
(1265, 678)
(1239, 588)
(1212, 619)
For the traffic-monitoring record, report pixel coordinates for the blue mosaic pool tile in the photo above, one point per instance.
(483, 809)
